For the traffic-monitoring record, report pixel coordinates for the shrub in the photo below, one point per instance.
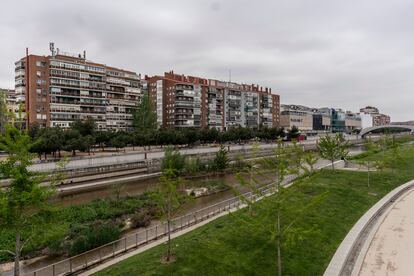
(93, 237)
(173, 160)
(221, 162)
(141, 219)
(192, 165)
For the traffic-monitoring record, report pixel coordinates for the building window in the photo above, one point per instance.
(40, 63)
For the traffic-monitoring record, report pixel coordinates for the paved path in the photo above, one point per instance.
(93, 161)
(391, 251)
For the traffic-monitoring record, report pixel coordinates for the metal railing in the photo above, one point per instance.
(97, 255)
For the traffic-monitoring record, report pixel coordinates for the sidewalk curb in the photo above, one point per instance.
(341, 263)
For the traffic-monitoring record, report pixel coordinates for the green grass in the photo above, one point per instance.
(230, 246)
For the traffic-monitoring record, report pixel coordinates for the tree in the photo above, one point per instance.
(333, 148)
(73, 141)
(371, 148)
(293, 133)
(221, 161)
(4, 113)
(393, 157)
(310, 159)
(173, 161)
(102, 138)
(145, 118)
(169, 201)
(251, 182)
(86, 127)
(283, 232)
(297, 153)
(119, 141)
(24, 197)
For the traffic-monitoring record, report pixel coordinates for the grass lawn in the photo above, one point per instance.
(230, 246)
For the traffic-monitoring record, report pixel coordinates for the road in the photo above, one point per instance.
(392, 249)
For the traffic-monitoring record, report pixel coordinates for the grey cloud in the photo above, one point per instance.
(318, 53)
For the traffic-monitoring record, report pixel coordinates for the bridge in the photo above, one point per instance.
(367, 130)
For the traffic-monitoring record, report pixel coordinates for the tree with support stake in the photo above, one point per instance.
(169, 201)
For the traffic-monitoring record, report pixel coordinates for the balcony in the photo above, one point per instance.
(184, 104)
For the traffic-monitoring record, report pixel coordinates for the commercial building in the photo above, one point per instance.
(307, 119)
(318, 120)
(352, 122)
(188, 101)
(322, 119)
(61, 88)
(296, 115)
(372, 117)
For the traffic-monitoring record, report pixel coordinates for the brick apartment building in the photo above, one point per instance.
(187, 101)
(61, 88)
(372, 117)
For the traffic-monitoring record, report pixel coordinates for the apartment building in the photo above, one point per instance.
(372, 117)
(61, 88)
(188, 101)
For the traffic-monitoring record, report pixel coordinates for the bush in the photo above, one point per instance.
(173, 160)
(221, 162)
(141, 219)
(192, 166)
(93, 237)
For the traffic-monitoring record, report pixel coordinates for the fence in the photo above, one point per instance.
(133, 241)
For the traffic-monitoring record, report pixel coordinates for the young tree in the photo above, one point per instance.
(24, 197)
(280, 165)
(310, 159)
(173, 161)
(145, 118)
(371, 149)
(169, 201)
(221, 161)
(297, 154)
(333, 148)
(247, 178)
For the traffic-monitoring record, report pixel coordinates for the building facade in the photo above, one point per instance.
(58, 89)
(14, 108)
(318, 120)
(188, 101)
(306, 119)
(372, 117)
(322, 119)
(353, 122)
(296, 115)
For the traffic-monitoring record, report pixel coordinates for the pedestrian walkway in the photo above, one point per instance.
(392, 248)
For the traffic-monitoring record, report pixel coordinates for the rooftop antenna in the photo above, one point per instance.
(229, 75)
(52, 48)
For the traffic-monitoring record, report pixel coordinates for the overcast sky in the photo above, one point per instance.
(318, 53)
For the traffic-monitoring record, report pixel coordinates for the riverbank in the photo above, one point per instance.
(229, 245)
